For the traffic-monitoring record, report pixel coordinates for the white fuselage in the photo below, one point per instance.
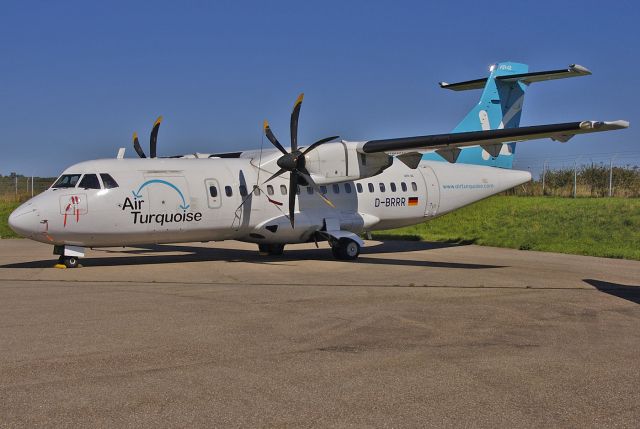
(174, 200)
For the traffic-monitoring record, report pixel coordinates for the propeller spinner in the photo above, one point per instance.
(294, 161)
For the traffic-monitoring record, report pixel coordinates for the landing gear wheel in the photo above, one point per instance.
(71, 262)
(271, 249)
(346, 249)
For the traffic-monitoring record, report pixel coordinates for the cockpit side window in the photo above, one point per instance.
(108, 181)
(66, 181)
(89, 181)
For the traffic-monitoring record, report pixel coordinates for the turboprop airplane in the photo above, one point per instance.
(329, 190)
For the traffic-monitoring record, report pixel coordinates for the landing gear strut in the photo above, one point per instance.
(271, 249)
(345, 249)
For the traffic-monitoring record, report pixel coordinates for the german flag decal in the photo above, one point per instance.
(413, 201)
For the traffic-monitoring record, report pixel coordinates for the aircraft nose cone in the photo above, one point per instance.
(24, 220)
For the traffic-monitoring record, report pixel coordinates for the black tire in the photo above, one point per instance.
(271, 249)
(71, 262)
(346, 249)
(336, 252)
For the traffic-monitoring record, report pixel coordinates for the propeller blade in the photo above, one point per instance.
(293, 190)
(315, 186)
(272, 138)
(294, 123)
(318, 143)
(279, 172)
(153, 140)
(137, 147)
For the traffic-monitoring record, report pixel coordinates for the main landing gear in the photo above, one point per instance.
(69, 256)
(345, 249)
(271, 249)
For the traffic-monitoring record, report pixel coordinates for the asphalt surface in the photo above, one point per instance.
(413, 334)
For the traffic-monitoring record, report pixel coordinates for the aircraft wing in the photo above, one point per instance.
(448, 145)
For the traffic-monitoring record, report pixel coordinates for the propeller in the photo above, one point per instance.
(294, 161)
(153, 141)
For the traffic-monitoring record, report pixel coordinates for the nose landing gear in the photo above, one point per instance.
(69, 256)
(68, 262)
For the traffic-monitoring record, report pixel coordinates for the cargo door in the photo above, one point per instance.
(433, 190)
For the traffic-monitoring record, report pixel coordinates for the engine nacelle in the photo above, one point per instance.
(341, 162)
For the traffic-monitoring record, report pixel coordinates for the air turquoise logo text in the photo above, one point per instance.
(135, 206)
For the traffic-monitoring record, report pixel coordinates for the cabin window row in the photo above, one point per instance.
(336, 188)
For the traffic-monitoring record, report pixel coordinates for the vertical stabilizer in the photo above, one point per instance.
(500, 106)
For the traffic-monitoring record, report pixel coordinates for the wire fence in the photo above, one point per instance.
(17, 188)
(586, 175)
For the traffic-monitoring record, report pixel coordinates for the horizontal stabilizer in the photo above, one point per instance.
(574, 70)
(444, 144)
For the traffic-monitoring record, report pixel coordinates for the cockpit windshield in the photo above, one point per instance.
(66, 181)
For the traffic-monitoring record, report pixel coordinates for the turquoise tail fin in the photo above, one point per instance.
(500, 106)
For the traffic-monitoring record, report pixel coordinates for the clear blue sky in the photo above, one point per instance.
(78, 77)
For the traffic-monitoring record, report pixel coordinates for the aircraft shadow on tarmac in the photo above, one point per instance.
(628, 292)
(156, 254)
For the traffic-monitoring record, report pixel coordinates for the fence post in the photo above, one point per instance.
(16, 187)
(610, 177)
(575, 178)
(31, 186)
(544, 173)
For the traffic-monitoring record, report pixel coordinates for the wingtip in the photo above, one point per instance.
(620, 123)
(265, 124)
(579, 69)
(135, 136)
(158, 121)
(605, 125)
(300, 98)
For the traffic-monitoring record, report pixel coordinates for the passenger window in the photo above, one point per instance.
(213, 191)
(403, 186)
(414, 186)
(382, 188)
(347, 188)
(336, 188)
(359, 187)
(228, 191)
(269, 189)
(323, 189)
(256, 191)
(67, 181)
(108, 181)
(393, 187)
(90, 181)
(370, 186)
(309, 190)
(283, 189)
(243, 190)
